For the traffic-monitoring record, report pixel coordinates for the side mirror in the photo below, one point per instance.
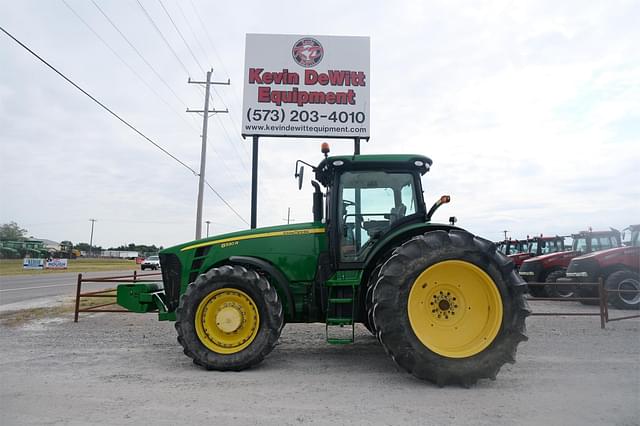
(300, 176)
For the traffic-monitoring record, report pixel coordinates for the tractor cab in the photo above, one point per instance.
(589, 241)
(369, 196)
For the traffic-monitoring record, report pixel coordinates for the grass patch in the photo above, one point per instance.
(14, 266)
(23, 316)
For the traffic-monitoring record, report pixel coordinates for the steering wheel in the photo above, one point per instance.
(347, 203)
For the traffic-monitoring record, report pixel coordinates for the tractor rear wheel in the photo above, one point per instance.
(449, 308)
(629, 282)
(229, 319)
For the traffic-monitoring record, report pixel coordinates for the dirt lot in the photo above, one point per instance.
(128, 369)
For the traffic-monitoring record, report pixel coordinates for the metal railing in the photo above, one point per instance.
(105, 307)
(606, 305)
(602, 299)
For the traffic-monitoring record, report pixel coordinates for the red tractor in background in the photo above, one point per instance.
(551, 266)
(510, 247)
(618, 267)
(537, 246)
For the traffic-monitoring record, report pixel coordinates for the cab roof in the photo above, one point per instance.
(380, 162)
(595, 233)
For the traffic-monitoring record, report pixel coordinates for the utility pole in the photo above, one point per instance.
(288, 219)
(93, 221)
(208, 222)
(203, 154)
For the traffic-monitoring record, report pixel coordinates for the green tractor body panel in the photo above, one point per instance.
(140, 298)
(291, 252)
(289, 255)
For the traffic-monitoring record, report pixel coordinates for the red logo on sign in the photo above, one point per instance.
(307, 52)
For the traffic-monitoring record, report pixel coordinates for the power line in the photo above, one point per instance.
(215, 51)
(225, 201)
(162, 36)
(233, 179)
(99, 103)
(193, 34)
(224, 129)
(181, 36)
(209, 37)
(228, 138)
(138, 52)
(127, 64)
(119, 118)
(235, 125)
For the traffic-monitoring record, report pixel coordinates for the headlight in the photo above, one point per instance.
(577, 274)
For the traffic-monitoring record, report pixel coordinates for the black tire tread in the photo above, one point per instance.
(369, 322)
(394, 331)
(271, 318)
(552, 290)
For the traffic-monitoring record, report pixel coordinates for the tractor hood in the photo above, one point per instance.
(603, 253)
(552, 256)
(250, 234)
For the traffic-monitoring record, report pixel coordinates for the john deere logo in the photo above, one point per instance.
(307, 52)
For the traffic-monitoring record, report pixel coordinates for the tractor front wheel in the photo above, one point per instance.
(449, 308)
(552, 290)
(229, 319)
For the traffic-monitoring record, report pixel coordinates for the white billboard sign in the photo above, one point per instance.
(299, 85)
(30, 263)
(56, 264)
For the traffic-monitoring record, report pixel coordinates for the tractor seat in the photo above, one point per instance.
(397, 213)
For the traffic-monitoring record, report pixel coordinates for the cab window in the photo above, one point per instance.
(369, 204)
(605, 243)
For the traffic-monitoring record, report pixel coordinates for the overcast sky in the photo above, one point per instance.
(529, 110)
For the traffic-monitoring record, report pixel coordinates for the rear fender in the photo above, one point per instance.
(385, 248)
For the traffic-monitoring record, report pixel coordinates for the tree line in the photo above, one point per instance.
(13, 232)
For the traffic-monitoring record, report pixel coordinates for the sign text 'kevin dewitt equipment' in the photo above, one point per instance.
(306, 86)
(332, 78)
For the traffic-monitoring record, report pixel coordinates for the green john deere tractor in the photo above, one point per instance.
(445, 304)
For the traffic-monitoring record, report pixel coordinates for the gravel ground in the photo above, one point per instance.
(128, 369)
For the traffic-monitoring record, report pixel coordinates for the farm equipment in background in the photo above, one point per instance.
(23, 248)
(66, 251)
(552, 266)
(510, 247)
(618, 267)
(538, 246)
(445, 304)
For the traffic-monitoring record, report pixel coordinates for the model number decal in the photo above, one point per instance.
(229, 244)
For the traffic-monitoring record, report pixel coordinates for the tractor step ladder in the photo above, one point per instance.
(341, 309)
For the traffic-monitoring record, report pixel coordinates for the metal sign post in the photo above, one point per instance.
(254, 183)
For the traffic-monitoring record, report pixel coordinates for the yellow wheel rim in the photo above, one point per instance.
(227, 321)
(455, 309)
